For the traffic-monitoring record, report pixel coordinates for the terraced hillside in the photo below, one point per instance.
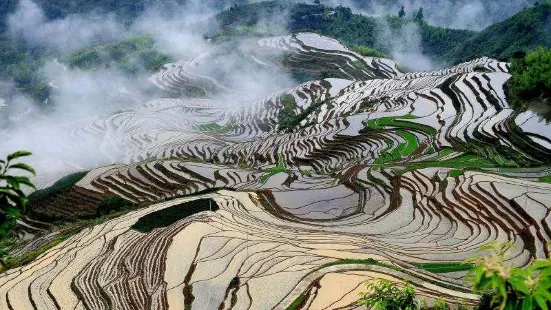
(313, 189)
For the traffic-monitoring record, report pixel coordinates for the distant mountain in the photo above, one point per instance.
(524, 31)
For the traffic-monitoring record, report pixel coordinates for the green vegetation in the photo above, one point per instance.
(13, 200)
(359, 32)
(501, 285)
(287, 116)
(398, 121)
(170, 215)
(523, 31)
(280, 167)
(510, 287)
(444, 267)
(30, 256)
(298, 302)
(215, 128)
(59, 186)
(531, 77)
(131, 56)
(383, 294)
(113, 204)
(455, 173)
(367, 51)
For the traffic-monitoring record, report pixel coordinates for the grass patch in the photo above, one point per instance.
(298, 302)
(455, 173)
(546, 179)
(214, 128)
(360, 64)
(444, 267)
(14, 262)
(381, 123)
(280, 167)
(62, 184)
(170, 215)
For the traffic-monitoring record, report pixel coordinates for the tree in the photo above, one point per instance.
(531, 76)
(13, 200)
(317, 2)
(419, 16)
(402, 12)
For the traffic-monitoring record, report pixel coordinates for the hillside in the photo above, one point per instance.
(292, 200)
(524, 31)
(275, 155)
(340, 23)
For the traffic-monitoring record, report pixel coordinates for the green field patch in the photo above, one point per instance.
(546, 179)
(455, 173)
(215, 128)
(280, 167)
(59, 186)
(170, 215)
(298, 302)
(381, 123)
(360, 64)
(412, 142)
(444, 267)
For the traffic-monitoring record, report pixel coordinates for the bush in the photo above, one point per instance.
(506, 287)
(531, 76)
(13, 200)
(113, 204)
(385, 295)
(367, 51)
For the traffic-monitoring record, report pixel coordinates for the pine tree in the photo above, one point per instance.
(402, 12)
(419, 16)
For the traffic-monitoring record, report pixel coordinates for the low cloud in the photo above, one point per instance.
(55, 132)
(76, 31)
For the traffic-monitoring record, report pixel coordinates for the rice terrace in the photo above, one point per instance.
(349, 168)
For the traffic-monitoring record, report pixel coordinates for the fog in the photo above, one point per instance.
(458, 14)
(55, 134)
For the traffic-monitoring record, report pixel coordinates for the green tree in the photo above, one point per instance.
(402, 12)
(13, 200)
(419, 16)
(531, 76)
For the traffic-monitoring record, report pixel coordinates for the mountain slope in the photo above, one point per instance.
(377, 172)
(340, 23)
(524, 31)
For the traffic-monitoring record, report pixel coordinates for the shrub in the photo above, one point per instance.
(506, 287)
(13, 200)
(385, 295)
(113, 204)
(531, 76)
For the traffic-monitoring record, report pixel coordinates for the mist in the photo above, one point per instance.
(457, 14)
(76, 31)
(405, 46)
(79, 98)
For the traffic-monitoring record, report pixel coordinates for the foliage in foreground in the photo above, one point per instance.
(531, 77)
(13, 200)
(501, 285)
(510, 287)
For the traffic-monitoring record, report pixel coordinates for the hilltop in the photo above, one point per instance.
(524, 31)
